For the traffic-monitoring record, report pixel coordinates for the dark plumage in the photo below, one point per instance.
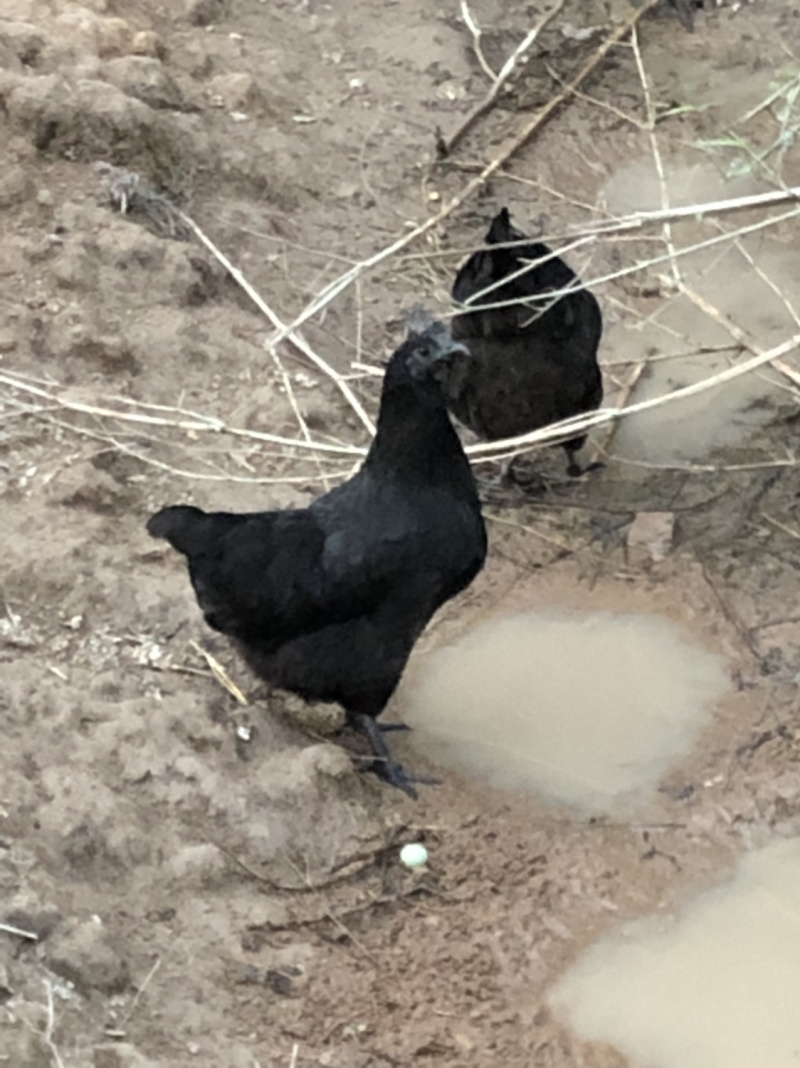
(526, 368)
(328, 601)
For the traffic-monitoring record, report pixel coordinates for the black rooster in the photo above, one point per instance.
(328, 601)
(530, 363)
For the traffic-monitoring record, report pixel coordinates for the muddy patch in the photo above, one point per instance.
(716, 986)
(585, 709)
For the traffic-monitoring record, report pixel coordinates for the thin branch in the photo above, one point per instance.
(50, 1026)
(285, 332)
(188, 421)
(737, 333)
(20, 932)
(656, 153)
(142, 987)
(200, 476)
(475, 30)
(219, 673)
(517, 58)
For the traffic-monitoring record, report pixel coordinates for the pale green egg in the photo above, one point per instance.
(414, 855)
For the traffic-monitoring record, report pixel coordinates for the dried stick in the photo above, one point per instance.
(335, 919)
(629, 386)
(784, 368)
(780, 526)
(737, 333)
(141, 989)
(656, 152)
(289, 333)
(9, 928)
(637, 220)
(189, 420)
(475, 30)
(602, 104)
(47, 1037)
(518, 56)
(200, 476)
(219, 673)
(331, 291)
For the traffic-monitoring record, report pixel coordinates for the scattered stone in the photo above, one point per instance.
(650, 536)
(82, 953)
(76, 268)
(249, 975)
(147, 43)
(281, 981)
(234, 92)
(144, 78)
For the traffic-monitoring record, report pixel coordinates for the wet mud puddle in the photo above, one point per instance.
(715, 987)
(583, 709)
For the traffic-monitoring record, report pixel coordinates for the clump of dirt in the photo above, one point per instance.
(190, 879)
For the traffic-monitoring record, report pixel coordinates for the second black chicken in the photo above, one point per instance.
(531, 362)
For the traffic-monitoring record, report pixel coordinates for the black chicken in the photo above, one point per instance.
(328, 601)
(531, 363)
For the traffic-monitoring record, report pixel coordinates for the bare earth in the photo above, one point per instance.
(204, 899)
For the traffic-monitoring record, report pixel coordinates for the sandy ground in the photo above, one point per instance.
(199, 900)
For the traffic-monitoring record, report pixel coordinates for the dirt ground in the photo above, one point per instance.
(203, 899)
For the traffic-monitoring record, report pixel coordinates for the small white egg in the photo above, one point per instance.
(414, 855)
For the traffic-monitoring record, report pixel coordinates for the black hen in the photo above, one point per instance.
(528, 364)
(328, 601)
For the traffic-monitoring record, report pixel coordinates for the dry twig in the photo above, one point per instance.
(514, 61)
(219, 673)
(737, 333)
(20, 932)
(475, 30)
(289, 333)
(650, 111)
(50, 1026)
